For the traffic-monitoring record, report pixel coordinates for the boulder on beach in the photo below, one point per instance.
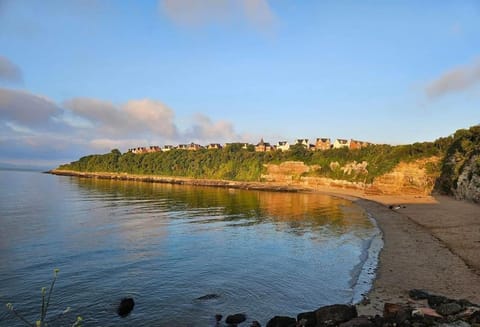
(236, 318)
(282, 321)
(308, 319)
(335, 314)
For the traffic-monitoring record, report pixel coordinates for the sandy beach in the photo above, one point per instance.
(430, 242)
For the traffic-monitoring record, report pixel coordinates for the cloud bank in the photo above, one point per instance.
(33, 126)
(203, 12)
(455, 80)
(9, 72)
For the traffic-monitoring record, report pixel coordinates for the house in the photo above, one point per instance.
(182, 147)
(212, 146)
(355, 144)
(341, 143)
(303, 142)
(282, 146)
(167, 148)
(263, 146)
(154, 148)
(138, 150)
(323, 144)
(194, 147)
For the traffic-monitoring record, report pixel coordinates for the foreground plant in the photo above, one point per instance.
(45, 304)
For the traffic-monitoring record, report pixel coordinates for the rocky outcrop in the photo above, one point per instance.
(406, 178)
(468, 183)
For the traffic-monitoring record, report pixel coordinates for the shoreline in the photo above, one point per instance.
(429, 242)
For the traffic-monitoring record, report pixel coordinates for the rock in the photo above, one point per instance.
(209, 297)
(358, 322)
(396, 312)
(418, 294)
(335, 314)
(125, 307)
(435, 300)
(309, 319)
(474, 318)
(218, 317)
(448, 309)
(255, 324)
(236, 318)
(458, 323)
(281, 321)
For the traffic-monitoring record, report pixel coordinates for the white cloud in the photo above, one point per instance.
(204, 129)
(39, 128)
(26, 108)
(454, 80)
(134, 117)
(9, 72)
(204, 12)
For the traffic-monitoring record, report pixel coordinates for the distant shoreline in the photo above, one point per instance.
(415, 253)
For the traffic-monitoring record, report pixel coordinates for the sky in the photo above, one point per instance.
(86, 76)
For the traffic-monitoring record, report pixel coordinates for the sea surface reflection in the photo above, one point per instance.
(263, 253)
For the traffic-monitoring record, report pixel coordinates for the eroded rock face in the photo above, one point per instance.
(406, 178)
(468, 184)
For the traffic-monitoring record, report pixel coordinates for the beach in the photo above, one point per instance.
(425, 247)
(430, 242)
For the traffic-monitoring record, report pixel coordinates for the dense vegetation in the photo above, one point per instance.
(235, 163)
(465, 145)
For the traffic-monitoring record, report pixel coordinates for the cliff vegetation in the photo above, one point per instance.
(237, 164)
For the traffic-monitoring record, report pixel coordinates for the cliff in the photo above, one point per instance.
(460, 171)
(416, 177)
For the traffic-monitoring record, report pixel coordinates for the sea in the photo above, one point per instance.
(166, 246)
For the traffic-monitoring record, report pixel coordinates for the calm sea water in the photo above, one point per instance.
(263, 253)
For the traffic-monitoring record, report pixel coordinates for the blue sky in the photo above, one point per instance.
(85, 76)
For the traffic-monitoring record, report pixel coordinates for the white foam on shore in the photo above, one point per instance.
(364, 273)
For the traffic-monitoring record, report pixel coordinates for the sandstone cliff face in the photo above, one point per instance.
(407, 178)
(468, 184)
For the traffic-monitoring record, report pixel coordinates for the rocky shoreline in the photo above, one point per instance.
(421, 309)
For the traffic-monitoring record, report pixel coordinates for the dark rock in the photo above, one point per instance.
(255, 324)
(458, 323)
(218, 317)
(236, 318)
(447, 309)
(418, 294)
(335, 314)
(209, 297)
(378, 321)
(125, 307)
(465, 303)
(309, 319)
(435, 300)
(474, 318)
(281, 321)
(358, 322)
(396, 313)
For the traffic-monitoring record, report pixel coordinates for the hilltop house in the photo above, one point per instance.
(154, 148)
(182, 147)
(263, 146)
(138, 150)
(212, 146)
(303, 142)
(341, 143)
(167, 148)
(323, 144)
(355, 144)
(283, 146)
(194, 147)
